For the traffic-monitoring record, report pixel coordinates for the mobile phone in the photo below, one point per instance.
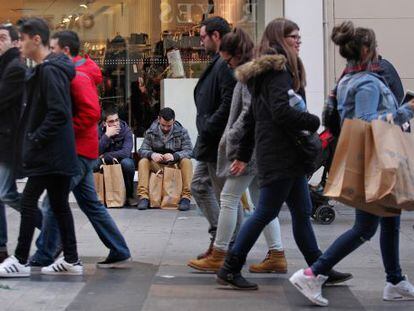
(409, 95)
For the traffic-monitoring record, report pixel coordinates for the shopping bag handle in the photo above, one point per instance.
(389, 118)
(115, 161)
(159, 172)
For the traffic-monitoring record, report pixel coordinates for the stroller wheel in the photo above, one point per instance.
(325, 214)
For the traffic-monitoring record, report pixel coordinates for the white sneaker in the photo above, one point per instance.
(402, 291)
(11, 268)
(310, 286)
(61, 267)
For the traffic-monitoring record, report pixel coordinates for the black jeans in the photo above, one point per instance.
(57, 187)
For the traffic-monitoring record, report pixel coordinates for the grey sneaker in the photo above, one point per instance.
(310, 287)
(143, 204)
(402, 291)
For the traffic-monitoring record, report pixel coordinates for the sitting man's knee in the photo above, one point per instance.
(128, 164)
(144, 163)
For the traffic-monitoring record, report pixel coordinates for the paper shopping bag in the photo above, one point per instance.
(155, 189)
(346, 180)
(389, 166)
(115, 193)
(99, 186)
(172, 187)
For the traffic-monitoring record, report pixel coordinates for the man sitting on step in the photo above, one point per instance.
(166, 142)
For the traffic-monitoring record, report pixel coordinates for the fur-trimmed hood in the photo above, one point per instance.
(259, 66)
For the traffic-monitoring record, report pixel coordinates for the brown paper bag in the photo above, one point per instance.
(99, 186)
(389, 172)
(346, 177)
(155, 189)
(115, 193)
(172, 187)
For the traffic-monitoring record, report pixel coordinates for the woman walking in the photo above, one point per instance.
(363, 95)
(236, 49)
(271, 77)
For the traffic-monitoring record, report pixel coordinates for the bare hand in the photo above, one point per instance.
(157, 158)
(237, 167)
(168, 157)
(411, 104)
(112, 131)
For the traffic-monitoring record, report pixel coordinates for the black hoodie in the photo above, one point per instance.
(47, 139)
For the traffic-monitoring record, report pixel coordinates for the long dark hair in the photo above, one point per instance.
(351, 40)
(274, 37)
(238, 43)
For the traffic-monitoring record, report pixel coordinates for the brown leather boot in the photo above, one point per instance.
(211, 263)
(208, 251)
(275, 262)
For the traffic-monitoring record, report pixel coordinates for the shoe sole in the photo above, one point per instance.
(225, 283)
(203, 269)
(116, 265)
(61, 273)
(268, 271)
(398, 299)
(339, 281)
(25, 275)
(310, 298)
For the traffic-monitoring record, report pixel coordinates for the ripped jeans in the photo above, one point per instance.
(364, 229)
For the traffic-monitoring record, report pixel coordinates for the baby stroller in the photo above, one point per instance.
(322, 211)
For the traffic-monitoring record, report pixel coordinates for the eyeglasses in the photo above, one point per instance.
(295, 37)
(228, 60)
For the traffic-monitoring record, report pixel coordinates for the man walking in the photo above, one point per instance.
(213, 94)
(12, 74)
(85, 123)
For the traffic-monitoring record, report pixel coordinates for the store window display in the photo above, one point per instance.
(130, 40)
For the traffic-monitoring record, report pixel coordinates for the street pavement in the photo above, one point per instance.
(162, 241)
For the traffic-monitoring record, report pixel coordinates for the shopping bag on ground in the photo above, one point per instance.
(99, 186)
(115, 193)
(172, 187)
(155, 189)
(389, 166)
(346, 177)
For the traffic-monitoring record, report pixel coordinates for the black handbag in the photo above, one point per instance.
(309, 146)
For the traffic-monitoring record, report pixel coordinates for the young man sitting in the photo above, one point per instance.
(166, 142)
(115, 142)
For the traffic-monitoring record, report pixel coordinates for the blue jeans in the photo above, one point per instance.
(83, 188)
(363, 230)
(293, 191)
(9, 196)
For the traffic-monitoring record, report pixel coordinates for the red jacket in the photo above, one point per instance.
(86, 108)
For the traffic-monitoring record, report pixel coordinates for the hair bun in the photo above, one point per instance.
(343, 33)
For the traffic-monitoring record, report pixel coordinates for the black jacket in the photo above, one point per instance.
(212, 95)
(12, 75)
(390, 74)
(46, 132)
(270, 119)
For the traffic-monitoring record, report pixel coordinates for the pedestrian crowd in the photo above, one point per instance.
(251, 113)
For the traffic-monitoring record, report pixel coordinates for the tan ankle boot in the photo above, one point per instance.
(275, 262)
(211, 263)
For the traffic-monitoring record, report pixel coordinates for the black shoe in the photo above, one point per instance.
(114, 263)
(336, 277)
(143, 204)
(3, 256)
(184, 205)
(229, 274)
(235, 280)
(132, 202)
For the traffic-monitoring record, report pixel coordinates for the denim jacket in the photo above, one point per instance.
(365, 96)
